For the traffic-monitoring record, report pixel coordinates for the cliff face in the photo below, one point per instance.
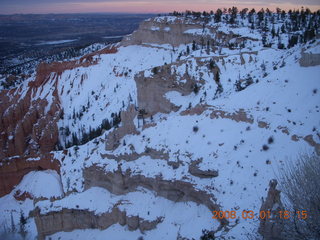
(28, 130)
(271, 228)
(29, 116)
(13, 171)
(177, 31)
(121, 183)
(309, 59)
(68, 220)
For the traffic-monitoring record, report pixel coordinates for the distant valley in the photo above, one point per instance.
(28, 38)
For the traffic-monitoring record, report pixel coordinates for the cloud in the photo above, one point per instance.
(72, 6)
(235, 2)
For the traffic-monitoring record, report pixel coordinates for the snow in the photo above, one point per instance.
(176, 216)
(314, 49)
(114, 232)
(105, 79)
(36, 183)
(57, 42)
(167, 19)
(153, 28)
(110, 37)
(33, 159)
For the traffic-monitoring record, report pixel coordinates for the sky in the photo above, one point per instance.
(144, 6)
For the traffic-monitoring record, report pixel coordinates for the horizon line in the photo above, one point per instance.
(145, 13)
(61, 13)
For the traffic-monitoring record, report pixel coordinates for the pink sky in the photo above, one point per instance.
(143, 6)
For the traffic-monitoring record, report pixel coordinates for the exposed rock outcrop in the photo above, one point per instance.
(175, 31)
(70, 219)
(309, 139)
(127, 127)
(155, 154)
(29, 129)
(196, 171)
(119, 182)
(151, 90)
(197, 110)
(28, 122)
(262, 124)
(238, 116)
(309, 59)
(12, 171)
(271, 228)
(151, 99)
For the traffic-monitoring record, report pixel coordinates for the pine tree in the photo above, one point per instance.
(217, 16)
(250, 15)
(155, 70)
(212, 64)
(280, 44)
(273, 32)
(13, 227)
(194, 47)
(75, 140)
(196, 88)
(252, 25)
(106, 124)
(234, 12)
(23, 222)
(217, 78)
(261, 15)
(264, 39)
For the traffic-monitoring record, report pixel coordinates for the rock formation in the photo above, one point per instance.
(70, 219)
(271, 228)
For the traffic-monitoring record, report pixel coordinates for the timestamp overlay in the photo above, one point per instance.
(249, 214)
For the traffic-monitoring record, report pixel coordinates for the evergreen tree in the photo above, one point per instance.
(217, 78)
(293, 40)
(273, 32)
(264, 39)
(261, 15)
(280, 44)
(250, 15)
(155, 70)
(217, 16)
(252, 25)
(23, 222)
(106, 124)
(243, 13)
(212, 64)
(234, 12)
(194, 47)
(75, 140)
(196, 88)
(13, 227)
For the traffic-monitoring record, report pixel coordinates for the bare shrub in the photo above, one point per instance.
(300, 184)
